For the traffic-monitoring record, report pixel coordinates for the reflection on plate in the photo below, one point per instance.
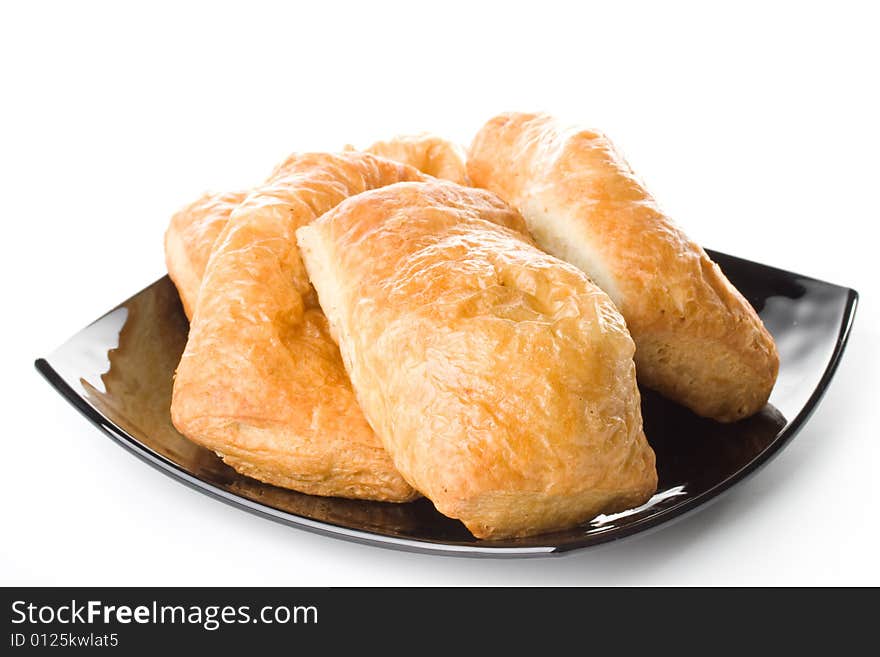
(118, 372)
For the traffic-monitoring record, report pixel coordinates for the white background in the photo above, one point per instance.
(756, 127)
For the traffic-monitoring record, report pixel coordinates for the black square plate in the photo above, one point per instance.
(118, 371)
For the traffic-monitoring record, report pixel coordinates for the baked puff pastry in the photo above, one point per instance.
(499, 378)
(428, 153)
(698, 341)
(261, 382)
(193, 230)
(189, 239)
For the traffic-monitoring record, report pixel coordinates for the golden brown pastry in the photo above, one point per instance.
(428, 153)
(192, 231)
(189, 239)
(698, 341)
(261, 382)
(499, 378)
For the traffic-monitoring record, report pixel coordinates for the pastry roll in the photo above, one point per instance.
(193, 229)
(499, 378)
(191, 235)
(698, 341)
(428, 153)
(189, 239)
(261, 382)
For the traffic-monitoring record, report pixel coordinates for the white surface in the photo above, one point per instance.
(756, 127)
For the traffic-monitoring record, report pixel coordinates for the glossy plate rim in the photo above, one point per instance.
(653, 521)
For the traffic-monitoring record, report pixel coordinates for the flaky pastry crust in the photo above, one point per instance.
(260, 381)
(193, 230)
(189, 238)
(428, 153)
(698, 341)
(499, 378)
